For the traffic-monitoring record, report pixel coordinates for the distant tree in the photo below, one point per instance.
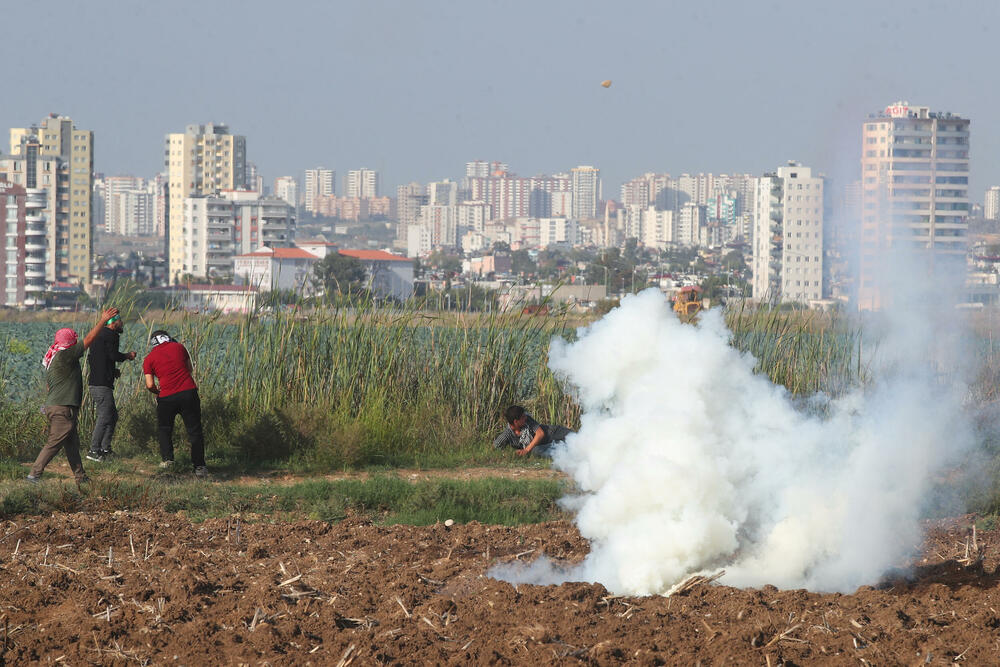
(441, 261)
(552, 263)
(338, 274)
(521, 262)
(501, 246)
(733, 261)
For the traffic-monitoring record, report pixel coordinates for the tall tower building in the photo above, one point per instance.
(788, 236)
(71, 247)
(204, 159)
(286, 188)
(116, 215)
(13, 232)
(319, 182)
(915, 194)
(55, 162)
(254, 181)
(991, 208)
(361, 184)
(443, 193)
(585, 183)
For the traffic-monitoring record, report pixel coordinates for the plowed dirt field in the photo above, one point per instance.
(154, 588)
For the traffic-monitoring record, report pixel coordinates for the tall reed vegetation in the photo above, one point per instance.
(352, 384)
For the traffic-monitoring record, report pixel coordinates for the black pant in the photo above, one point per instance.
(188, 406)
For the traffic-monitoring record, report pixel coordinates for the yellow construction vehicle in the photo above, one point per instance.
(687, 303)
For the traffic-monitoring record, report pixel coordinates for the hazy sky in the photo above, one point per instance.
(416, 89)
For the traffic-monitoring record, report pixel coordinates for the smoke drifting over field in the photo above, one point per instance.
(689, 462)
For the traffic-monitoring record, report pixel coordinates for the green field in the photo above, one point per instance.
(366, 388)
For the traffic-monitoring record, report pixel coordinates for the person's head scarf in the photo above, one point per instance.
(159, 337)
(65, 339)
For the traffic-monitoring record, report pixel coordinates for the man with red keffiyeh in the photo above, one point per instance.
(64, 383)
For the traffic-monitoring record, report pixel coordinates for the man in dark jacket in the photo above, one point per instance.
(104, 356)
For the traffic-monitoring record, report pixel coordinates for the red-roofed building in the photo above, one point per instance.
(388, 274)
(275, 268)
(319, 247)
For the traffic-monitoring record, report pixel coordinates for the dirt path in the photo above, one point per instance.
(153, 588)
(60, 469)
(411, 475)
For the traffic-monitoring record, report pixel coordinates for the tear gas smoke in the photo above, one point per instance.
(687, 461)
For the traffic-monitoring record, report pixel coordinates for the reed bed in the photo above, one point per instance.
(353, 384)
(806, 351)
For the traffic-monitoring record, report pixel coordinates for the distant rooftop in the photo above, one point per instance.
(374, 255)
(903, 109)
(281, 253)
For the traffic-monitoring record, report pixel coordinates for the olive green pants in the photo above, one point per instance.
(62, 435)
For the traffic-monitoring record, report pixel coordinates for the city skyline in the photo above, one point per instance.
(694, 89)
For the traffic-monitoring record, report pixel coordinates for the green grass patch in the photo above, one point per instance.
(384, 499)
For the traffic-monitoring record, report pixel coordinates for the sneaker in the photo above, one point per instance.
(34, 480)
(200, 471)
(165, 465)
(95, 456)
(83, 480)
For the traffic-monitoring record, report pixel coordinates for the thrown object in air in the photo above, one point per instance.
(606, 83)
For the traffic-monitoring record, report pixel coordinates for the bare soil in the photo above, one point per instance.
(154, 588)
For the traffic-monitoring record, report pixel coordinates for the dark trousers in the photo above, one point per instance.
(107, 419)
(188, 406)
(62, 435)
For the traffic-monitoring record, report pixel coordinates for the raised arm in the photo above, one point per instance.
(92, 334)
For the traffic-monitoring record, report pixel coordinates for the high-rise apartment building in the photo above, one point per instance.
(482, 168)
(409, 199)
(254, 181)
(915, 194)
(586, 187)
(443, 193)
(66, 155)
(361, 184)
(506, 194)
(788, 236)
(690, 226)
(202, 160)
(645, 191)
(286, 188)
(543, 196)
(221, 226)
(161, 202)
(319, 183)
(14, 233)
(991, 206)
(131, 217)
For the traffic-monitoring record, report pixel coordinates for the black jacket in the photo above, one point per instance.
(104, 355)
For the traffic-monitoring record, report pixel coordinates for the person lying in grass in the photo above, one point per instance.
(527, 436)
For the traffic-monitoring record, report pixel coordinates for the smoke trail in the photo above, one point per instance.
(687, 461)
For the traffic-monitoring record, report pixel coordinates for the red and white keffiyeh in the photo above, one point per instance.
(65, 339)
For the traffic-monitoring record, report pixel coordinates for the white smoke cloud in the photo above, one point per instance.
(688, 462)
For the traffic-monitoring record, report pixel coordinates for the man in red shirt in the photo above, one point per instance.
(177, 394)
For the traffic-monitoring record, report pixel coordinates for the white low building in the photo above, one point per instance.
(213, 298)
(275, 269)
(387, 274)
